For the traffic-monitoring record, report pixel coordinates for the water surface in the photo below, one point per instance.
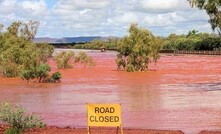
(180, 92)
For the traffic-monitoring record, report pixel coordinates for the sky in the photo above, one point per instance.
(73, 18)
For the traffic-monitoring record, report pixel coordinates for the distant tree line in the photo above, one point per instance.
(110, 44)
(192, 41)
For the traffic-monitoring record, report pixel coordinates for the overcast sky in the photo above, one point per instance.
(68, 18)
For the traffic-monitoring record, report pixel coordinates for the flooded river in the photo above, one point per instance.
(178, 93)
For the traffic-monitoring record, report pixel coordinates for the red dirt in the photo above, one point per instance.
(179, 93)
(67, 130)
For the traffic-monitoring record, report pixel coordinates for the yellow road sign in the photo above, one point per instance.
(104, 115)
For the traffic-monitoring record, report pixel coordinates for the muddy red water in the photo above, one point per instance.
(179, 93)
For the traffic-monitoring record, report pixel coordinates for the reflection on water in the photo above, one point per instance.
(181, 92)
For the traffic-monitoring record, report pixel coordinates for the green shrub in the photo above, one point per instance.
(138, 49)
(12, 131)
(85, 59)
(121, 64)
(18, 120)
(55, 77)
(10, 69)
(63, 59)
(19, 56)
(39, 72)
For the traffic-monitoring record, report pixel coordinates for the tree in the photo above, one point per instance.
(212, 8)
(41, 74)
(44, 52)
(63, 59)
(19, 56)
(85, 59)
(192, 33)
(137, 49)
(98, 44)
(24, 30)
(1, 27)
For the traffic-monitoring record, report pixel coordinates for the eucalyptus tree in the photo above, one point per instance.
(63, 58)
(85, 59)
(19, 56)
(137, 49)
(212, 7)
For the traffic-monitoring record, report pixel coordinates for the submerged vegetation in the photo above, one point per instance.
(85, 59)
(63, 59)
(137, 49)
(19, 56)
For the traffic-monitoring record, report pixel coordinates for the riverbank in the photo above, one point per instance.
(68, 130)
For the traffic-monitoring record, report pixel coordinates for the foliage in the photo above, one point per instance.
(212, 7)
(194, 40)
(39, 72)
(55, 77)
(19, 56)
(137, 49)
(44, 51)
(96, 44)
(28, 74)
(9, 69)
(63, 59)
(85, 59)
(42, 71)
(18, 119)
(210, 43)
(121, 63)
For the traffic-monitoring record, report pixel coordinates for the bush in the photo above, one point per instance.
(55, 77)
(138, 49)
(19, 56)
(18, 120)
(39, 72)
(63, 58)
(121, 64)
(44, 52)
(209, 43)
(10, 69)
(85, 59)
(192, 41)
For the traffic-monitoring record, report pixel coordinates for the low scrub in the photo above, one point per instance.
(18, 120)
(63, 59)
(40, 74)
(85, 59)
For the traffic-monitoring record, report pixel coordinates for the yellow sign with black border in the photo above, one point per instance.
(104, 115)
